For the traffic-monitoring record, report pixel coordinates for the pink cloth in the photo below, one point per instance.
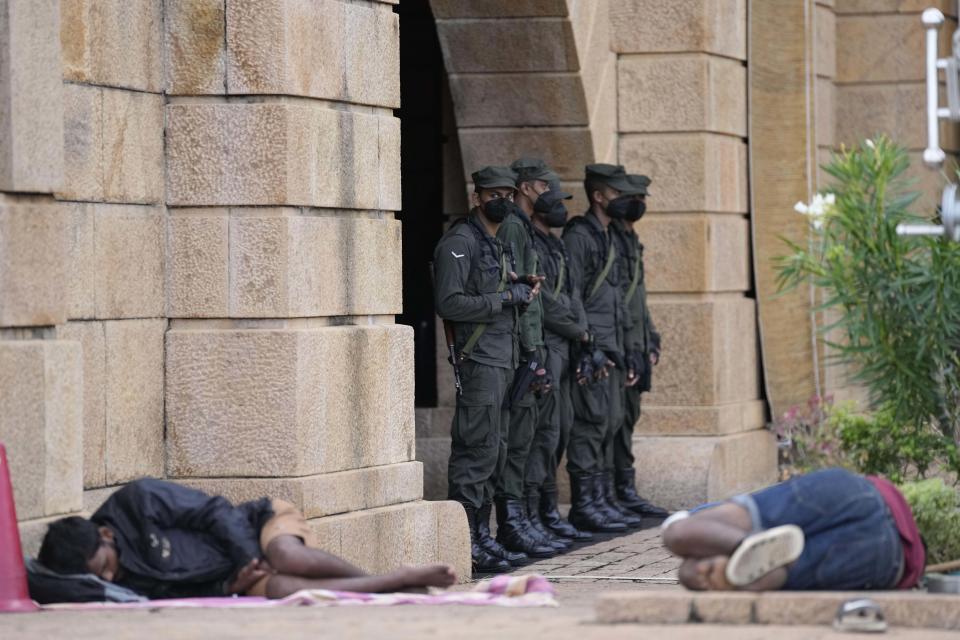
(501, 591)
(914, 556)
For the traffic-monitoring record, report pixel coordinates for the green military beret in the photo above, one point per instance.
(494, 177)
(638, 184)
(612, 175)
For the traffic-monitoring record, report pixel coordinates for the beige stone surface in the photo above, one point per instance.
(444, 9)
(949, 7)
(388, 149)
(661, 607)
(112, 42)
(723, 419)
(434, 422)
(194, 47)
(31, 97)
(682, 92)
(825, 114)
(825, 44)
(41, 383)
(278, 153)
(472, 46)
(132, 146)
(383, 539)
(273, 263)
(521, 99)
(865, 110)
(128, 261)
(113, 145)
(567, 148)
(883, 48)
(33, 252)
(133, 387)
(92, 340)
(709, 351)
(714, 26)
(692, 171)
(322, 49)
(682, 472)
(326, 494)
(691, 253)
(82, 143)
(94, 498)
(287, 401)
(198, 263)
(901, 609)
(723, 608)
(80, 260)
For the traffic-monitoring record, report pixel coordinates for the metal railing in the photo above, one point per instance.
(933, 155)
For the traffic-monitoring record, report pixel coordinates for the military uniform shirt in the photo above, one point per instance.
(516, 236)
(639, 332)
(563, 316)
(468, 265)
(588, 246)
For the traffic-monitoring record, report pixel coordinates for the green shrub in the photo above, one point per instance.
(936, 508)
(897, 298)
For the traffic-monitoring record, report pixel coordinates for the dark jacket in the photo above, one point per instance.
(516, 234)
(469, 265)
(588, 245)
(173, 541)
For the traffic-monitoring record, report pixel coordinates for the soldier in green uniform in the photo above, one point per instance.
(563, 324)
(598, 395)
(514, 529)
(480, 306)
(641, 345)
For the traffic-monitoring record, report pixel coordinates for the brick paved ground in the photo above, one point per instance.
(635, 557)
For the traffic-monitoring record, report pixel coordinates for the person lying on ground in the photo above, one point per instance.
(830, 529)
(164, 540)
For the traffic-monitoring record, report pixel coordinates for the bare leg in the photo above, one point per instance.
(438, 575)
(710, 574)
(288, 555)
(712, 532)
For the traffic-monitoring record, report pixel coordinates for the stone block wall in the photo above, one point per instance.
(206, 292)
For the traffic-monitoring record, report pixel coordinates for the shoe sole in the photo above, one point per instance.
(760, 553)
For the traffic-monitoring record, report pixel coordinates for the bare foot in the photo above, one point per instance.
(431, 575)
(711, 572)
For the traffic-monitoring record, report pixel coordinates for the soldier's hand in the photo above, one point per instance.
(654, 357)
(632, 378)
(516, 294)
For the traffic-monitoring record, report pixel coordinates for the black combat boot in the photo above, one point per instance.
(513, 530)
(483, 561)
(628, 496)
(598, 491)
(631, 519)
(584, 514)
(486, 541)
(550, 517)
(533, 517)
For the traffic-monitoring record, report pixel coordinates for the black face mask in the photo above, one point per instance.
(636, 210)
(618, 208)
(496, 210)
(551, 207)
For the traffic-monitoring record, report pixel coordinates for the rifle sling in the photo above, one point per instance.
(635, 282)
(478, 331)
(611, 256)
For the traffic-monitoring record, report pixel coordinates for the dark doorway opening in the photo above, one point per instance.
(422, 89)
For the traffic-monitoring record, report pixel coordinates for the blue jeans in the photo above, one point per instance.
(852, 541)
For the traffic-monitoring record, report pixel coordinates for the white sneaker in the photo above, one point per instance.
(762, 552)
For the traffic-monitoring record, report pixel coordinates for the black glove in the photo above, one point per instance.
(515, 295)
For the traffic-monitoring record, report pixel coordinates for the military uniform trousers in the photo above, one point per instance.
(478, 447)
(554, 413)
(615, 417)
(623, 441)
(523, 423)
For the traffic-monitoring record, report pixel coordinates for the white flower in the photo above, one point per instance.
(870, 144)
(819, 207)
